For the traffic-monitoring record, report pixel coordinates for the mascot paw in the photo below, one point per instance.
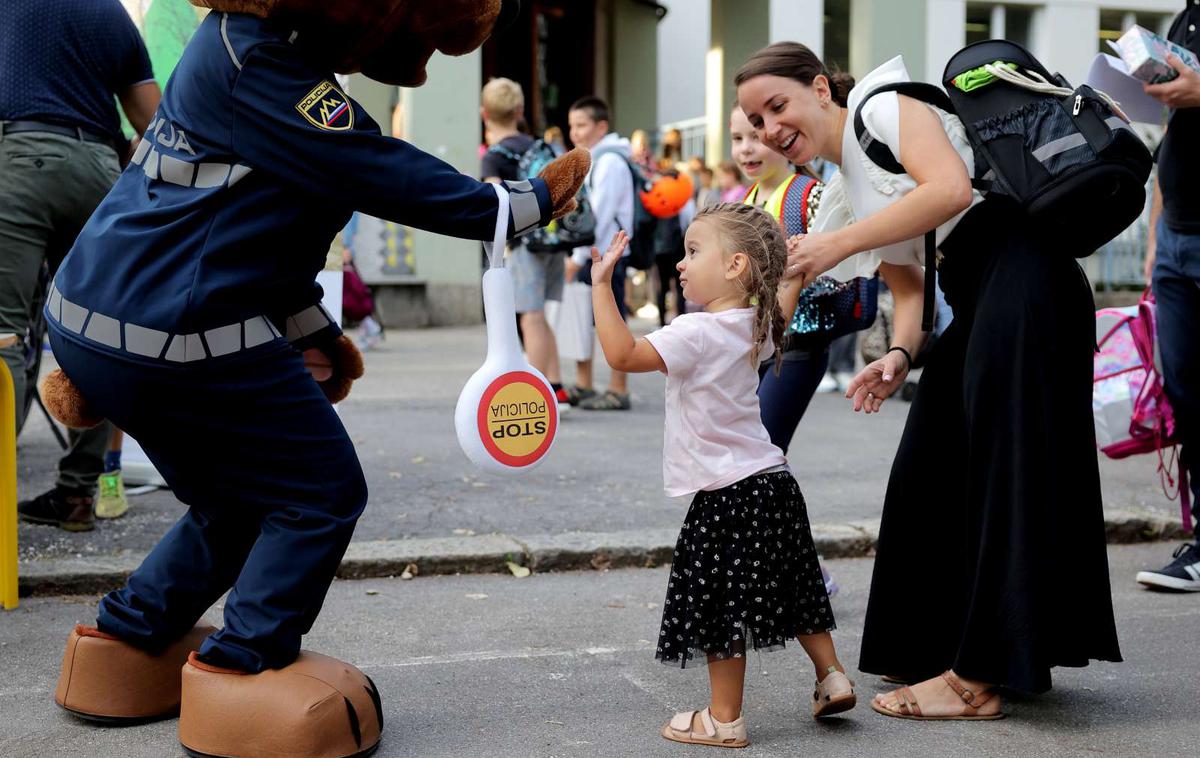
(317, 707)
(104, 679)
(344, 366)
(564, 177)
(66, 403)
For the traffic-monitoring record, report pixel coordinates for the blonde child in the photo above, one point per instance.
(766, 169)
(745, 574)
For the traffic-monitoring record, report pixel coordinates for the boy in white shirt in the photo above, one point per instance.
(610, 190)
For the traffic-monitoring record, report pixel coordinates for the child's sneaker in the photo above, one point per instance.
(564, 400)
(370, 334)
(831, 587)
(112, 502)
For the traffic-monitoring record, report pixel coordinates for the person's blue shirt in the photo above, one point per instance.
(253, 162)
(62, 61)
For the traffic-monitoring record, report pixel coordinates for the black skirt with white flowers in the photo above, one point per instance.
(745, 574)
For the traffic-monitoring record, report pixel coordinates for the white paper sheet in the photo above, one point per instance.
(1111, 75)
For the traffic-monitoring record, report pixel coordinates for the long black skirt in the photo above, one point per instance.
(992, 556)
(744, 576)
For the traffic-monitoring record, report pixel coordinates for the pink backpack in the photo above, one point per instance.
(1131, 411)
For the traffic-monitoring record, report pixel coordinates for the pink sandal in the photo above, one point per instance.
(716, 733)
(833, 694)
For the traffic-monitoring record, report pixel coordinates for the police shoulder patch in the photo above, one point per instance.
(325, 107)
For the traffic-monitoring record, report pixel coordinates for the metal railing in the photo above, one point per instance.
(694, 131)
(1120, 263)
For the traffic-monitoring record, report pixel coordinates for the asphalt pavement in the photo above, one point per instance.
(604, 474)
(562, 665)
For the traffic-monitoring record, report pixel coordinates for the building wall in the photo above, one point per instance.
(634, 66)
(442, 118)
(682, 43)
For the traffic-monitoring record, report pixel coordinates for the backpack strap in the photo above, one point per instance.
(881, 155)
(793, 211)
(503, 151)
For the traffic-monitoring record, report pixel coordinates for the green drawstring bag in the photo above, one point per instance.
(979, 77)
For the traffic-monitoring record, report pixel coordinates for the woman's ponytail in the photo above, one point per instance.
(841, 83)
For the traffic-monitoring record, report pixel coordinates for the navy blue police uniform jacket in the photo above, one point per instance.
(209, 243)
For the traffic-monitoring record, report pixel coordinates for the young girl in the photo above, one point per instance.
(765, 168)
(744, 575)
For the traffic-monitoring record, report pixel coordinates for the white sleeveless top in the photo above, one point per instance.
(866, 188)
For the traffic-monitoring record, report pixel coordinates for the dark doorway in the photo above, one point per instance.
(550, 51)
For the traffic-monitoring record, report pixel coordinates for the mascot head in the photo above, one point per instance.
(390, 41)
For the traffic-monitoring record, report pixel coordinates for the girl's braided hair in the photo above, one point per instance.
(754, 233)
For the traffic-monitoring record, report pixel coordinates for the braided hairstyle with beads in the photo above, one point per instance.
(757, 235)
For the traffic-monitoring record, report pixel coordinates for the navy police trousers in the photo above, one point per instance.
(273, 489)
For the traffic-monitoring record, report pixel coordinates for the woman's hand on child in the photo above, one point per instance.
(791, 269)
(877, 382)
(602, 266)
(810, 255)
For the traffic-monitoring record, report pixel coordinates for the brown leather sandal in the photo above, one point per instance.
(972, 703)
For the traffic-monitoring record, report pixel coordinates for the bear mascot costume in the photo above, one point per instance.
(185, 313)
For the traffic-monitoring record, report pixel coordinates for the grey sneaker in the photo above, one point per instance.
(609, 401)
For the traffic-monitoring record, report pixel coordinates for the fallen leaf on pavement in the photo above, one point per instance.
(518, 570)
(601, 561)
(409, 571)
(372, 592)
(476, 596)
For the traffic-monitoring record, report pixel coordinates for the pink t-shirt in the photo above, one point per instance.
(714, 435)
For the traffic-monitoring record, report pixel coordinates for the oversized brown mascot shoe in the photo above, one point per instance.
(317, 707)
(104, 679)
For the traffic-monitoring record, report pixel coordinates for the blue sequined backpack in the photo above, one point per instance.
(827, 309)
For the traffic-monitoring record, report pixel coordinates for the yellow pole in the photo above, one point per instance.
(8, 483)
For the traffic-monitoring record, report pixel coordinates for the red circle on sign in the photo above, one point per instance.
(514, 377)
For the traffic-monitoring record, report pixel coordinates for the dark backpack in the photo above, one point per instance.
(641, 236)
(1069, 161)
(668, 237)
(576, 229)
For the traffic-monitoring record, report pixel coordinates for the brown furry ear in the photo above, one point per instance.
(347, 365)
(66, 403)
(564, 177)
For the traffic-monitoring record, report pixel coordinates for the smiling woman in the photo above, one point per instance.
(1003, 405)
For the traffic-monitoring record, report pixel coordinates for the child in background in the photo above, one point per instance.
(709, 193)
(729, 182)
(744, 574)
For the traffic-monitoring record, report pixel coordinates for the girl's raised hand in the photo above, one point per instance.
(602, 266)
(877, 382)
